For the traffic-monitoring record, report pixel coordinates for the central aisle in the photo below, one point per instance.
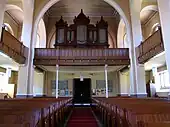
(82, 117)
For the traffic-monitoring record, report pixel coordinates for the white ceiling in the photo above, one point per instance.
(6, 62)
(149, 9)
(15, 9)
(156, 61)
(146, 15)
(92, 8)
(17, 15)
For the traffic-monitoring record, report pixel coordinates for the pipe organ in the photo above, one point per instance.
(81, 33)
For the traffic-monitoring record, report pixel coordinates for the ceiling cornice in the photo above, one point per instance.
(70, 14)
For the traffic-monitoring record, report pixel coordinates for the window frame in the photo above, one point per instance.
(162, 80)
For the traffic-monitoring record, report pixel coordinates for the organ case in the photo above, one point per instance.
(81, 33)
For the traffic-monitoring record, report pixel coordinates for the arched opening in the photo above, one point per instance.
(14, 17)
(41, 35)
(111, 3)
(122, 36)
(51, 38)
(149, 16)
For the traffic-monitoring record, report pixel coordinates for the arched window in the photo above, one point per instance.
(41, 35)
(120, 34)
(125, 42)
(155, 27)
(37, 45)
(8, 28)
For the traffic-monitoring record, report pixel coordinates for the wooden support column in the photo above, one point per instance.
(106, 80)
(57, 70)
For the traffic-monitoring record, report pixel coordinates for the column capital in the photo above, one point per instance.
(141, 65)
(57, 66)
(105, 67)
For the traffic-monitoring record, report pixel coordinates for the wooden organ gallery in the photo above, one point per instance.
(82, 44)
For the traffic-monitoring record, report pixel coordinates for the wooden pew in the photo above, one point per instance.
(33, 112)
(150, 124)
(132, 111)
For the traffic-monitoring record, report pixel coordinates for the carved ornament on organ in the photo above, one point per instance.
(81, 33)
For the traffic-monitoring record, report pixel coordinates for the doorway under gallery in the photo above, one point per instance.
(82, 91)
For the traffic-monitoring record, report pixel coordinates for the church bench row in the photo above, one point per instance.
(33, 112)
(25, 107)
(133, 112)
(153, 124)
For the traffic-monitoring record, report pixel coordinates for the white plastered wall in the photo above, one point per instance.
(69, 77)
(124, 83)
(38, 87)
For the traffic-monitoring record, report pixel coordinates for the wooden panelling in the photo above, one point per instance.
(13, 47)
(151, 47)
(81, 56)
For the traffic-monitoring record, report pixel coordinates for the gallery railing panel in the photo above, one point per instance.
(13, 47)
(81, 56)
(152, 46)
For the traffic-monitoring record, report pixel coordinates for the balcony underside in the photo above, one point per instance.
(81, 57)
(51, 62)
(12, 53)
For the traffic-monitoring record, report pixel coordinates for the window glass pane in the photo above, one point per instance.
(6, 28)
(95, 36)
(60, 36)
(125, 41)
(164, 79)
(3, 82)
(81, 34)
(91, 36)
(37, 45)
(68, 36)
(156, 29)
(72, 35)
(62, 87)
(102, 35)
(101, 87)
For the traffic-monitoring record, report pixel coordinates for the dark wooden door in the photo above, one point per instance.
(82, 91)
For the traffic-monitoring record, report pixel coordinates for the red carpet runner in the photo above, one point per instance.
(82, 117)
